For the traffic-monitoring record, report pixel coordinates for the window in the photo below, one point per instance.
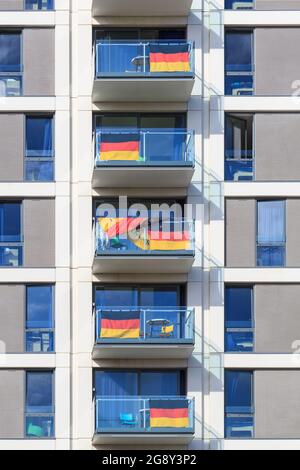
(238, 404)
(10, 234)
(39, 409)
(39, 319)
(270, 233)
(39, 154)
(238, 147)
(238, 62)
(239, 5)
(10, 64)
(39, 4)
(238, 319)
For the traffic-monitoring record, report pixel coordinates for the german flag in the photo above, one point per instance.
(169, 58)
(119, 147)
(120, 225)
(120, 325)
(169, 413)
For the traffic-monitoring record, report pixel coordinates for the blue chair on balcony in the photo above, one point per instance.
(128, 419)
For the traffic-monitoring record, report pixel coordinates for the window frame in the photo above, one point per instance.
(228, 73)
(36, 414)
(39, 159)
(50, 330)
(19, 244)
(273, 244)
(232, 329)
(19, 73)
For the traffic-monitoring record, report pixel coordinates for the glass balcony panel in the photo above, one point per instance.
(145, 325)
(238, 340)
(142, 415)
(271, 255)
(238, 169)
(39, 340)
(39, 426)
(144, 236)
(10, 85)
(145, 147)
(10, 255)
(239, 426)
(129, 58)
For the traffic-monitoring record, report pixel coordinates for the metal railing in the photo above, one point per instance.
(125, 58)
(168, 147)
(133, 414)
(154, 325)
(147, 238)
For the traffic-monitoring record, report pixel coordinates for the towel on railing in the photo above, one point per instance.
(169, 413)
(169, 58)
(123, 147)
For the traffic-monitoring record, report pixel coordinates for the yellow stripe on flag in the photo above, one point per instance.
(114, 333)
(169, 422)
(169, 67)
(120, 155)
(162, 245)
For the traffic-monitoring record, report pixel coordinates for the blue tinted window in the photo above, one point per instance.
(238, 51)
(160, 383)
(39, 136)
(239, 5)
(115, 383)
(39, 164)
(160, 297)
(39, 4)
(238, 306)
(10, 52)
(117, 297)
(39, 392)
(238, 391)
(39, 311)
(270, 233)
(10, 222)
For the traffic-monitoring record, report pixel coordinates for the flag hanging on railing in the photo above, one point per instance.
(123, 147)
(169, 58)
(164, 241)
(120, 325)
(169, 413)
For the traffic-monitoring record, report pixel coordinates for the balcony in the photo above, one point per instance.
(134, 71)
(140, 8)
(144, 420)
(148, 333)
(128, 245)
(144, 158)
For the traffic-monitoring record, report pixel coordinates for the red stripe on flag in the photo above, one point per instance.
(172, 413)
(119, 146)
(178, 57)
(120, 324)
(125, 225)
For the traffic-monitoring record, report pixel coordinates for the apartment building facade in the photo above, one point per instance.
(118, 331)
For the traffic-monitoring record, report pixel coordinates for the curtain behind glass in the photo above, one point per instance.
(271, 222)
(238, 391)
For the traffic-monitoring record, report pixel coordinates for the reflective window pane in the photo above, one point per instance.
(39, 170)
(39, 4)
(238, 391)
(39, 307)
(271, 221)
(39, 136)
(39, 392)
(10, 222)
(10, 52)
(239, 426)
(238, 306)
(39, 426)
(238, 51)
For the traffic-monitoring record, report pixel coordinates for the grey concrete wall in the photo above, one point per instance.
(292, 232)
(12, 147)
(277, 143)
(277, 4)
(277, 404)
(12, 404)
(275, 65)
(12, 5)
(240, 233)
(12, 317)
(276, 310)
(39, 64)
(39, 233)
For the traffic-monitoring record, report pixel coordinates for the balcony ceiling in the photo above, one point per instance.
(141, 7)
(142, 90)
(142, 177)
(142, 351)
(143, 264)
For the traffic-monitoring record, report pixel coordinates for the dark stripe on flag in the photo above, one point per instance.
(120, 315)
(169, 404)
